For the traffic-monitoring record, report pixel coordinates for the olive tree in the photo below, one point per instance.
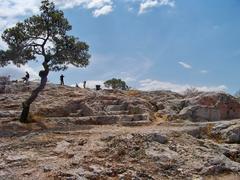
(44, 35)
(116, 84)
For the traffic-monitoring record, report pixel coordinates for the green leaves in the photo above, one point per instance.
(116, 84)
(44, 34)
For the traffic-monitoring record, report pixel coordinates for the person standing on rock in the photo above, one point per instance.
(62, 79)
(84, 84)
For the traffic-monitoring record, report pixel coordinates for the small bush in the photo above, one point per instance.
(191, 92)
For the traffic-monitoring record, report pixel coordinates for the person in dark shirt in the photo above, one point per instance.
(62, 79)
(26, 78)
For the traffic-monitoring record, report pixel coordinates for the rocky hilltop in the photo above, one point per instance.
(110, 134)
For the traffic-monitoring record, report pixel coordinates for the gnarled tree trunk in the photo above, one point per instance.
(34, 95)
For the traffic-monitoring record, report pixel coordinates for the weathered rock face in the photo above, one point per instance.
(228, 133)
(212, 107)
(200, 113)
(209, 106)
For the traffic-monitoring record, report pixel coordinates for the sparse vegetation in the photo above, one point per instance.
(133, 93)
(191, 92)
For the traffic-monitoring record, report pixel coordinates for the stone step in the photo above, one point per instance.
(118, 112)
(110, 102)
(111, 108)
(101, 120)
(135, 123)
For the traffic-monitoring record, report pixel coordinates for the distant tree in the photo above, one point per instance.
(43, 35)
(116, 84)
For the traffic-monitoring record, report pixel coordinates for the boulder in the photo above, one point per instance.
(200, 113)
(228, 105)
(211, 107)
(162, 139)
(231, 134)
(62, 147)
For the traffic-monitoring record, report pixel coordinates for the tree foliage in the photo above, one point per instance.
(43, 35)
(116, 84)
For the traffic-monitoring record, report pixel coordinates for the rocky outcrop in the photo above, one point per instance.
(200, 113)
(208, 106)
(85, 134)
(211, 107)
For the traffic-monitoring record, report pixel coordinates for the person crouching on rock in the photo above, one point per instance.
(26, 78)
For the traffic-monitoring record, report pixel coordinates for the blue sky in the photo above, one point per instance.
(152, 44)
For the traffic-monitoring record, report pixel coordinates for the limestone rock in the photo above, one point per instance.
(159, 138)
(200, 113)
(62, 147)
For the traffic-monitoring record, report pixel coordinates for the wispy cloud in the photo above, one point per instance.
(103, 11)
(185, 65)
(149, 4)
(151, 85)
(13, 10)
(204, 71)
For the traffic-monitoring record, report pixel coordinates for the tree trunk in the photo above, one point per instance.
(34, 95)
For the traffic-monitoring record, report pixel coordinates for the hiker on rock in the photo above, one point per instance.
(62, 79)
(26, 78)
(84, 84)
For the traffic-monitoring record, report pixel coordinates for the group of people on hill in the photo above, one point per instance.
(27, 76)
(62, 82)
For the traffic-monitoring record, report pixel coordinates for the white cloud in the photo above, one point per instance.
(102, 11)
(130, 9)
(98, 3)
(204, 71)
(13, 10)
(149, 4)
(151, 85)
(18, 73)
(185, 65)
(98, 7)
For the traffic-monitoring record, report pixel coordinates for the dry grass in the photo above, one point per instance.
(133, 93)
(208, 131)
(36, 118)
